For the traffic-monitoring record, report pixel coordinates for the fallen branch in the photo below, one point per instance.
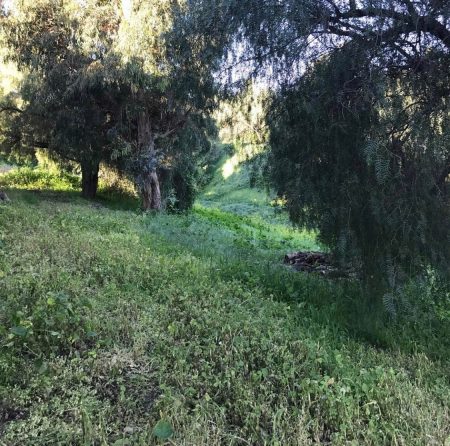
(317, 262)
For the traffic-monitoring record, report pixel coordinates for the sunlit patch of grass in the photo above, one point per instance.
(38, 179)
(234, 194)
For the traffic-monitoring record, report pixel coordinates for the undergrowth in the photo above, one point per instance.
(119, 328)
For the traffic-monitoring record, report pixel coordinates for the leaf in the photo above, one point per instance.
(19, 331)
(121, 442)
(62, 298)
(163, 430)
(41, 366)
(87, 304)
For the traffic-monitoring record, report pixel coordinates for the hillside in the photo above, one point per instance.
(120, 328)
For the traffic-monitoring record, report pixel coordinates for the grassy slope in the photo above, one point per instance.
(112, 321)
(229, 191)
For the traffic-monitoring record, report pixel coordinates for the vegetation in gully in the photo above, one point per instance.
(224, 222)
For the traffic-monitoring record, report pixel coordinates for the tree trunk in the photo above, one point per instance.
(89, 179)
(156, 195)
(151, 192)
(150, 188)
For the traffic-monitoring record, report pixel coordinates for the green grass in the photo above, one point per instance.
(112, 322)
(230, 191)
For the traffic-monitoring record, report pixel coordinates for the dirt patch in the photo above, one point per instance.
(120, 376)
(319, 263)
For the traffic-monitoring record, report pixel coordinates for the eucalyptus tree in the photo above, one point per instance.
(110, 81)
(47, 43)
(169, 89)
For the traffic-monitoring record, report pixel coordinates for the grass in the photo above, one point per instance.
(229, 191)
(119, 328)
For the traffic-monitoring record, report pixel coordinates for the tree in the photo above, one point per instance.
(359, 128)
(9, 99)
(350, 163)
(281, 36)
(46, 43)
(109, 83)
(170, 86)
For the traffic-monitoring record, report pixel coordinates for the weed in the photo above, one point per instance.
(121, 328)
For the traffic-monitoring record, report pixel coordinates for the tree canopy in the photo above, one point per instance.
(107, 83)
(361, 157)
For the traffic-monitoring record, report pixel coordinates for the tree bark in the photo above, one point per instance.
(89, 179)
(156, 196)
(150, 188)
(151, 192)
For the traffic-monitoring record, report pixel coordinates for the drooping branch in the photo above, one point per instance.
(373, 12)
(402, 23)
(10, 108)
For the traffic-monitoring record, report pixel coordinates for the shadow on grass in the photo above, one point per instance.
(336, 303)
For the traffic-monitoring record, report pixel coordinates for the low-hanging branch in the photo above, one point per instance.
(402, 23)
(9, 108)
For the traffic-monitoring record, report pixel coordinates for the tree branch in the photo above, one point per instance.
(179, 123)
(373, 12)
(408, 23)
(437, 29)
(10, 109)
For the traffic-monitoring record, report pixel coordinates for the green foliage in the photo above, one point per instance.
(163, 430)
(353, 154)
(107, 83)
(53, 111)
(51, 323)
(198, 325)
(185, 176)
